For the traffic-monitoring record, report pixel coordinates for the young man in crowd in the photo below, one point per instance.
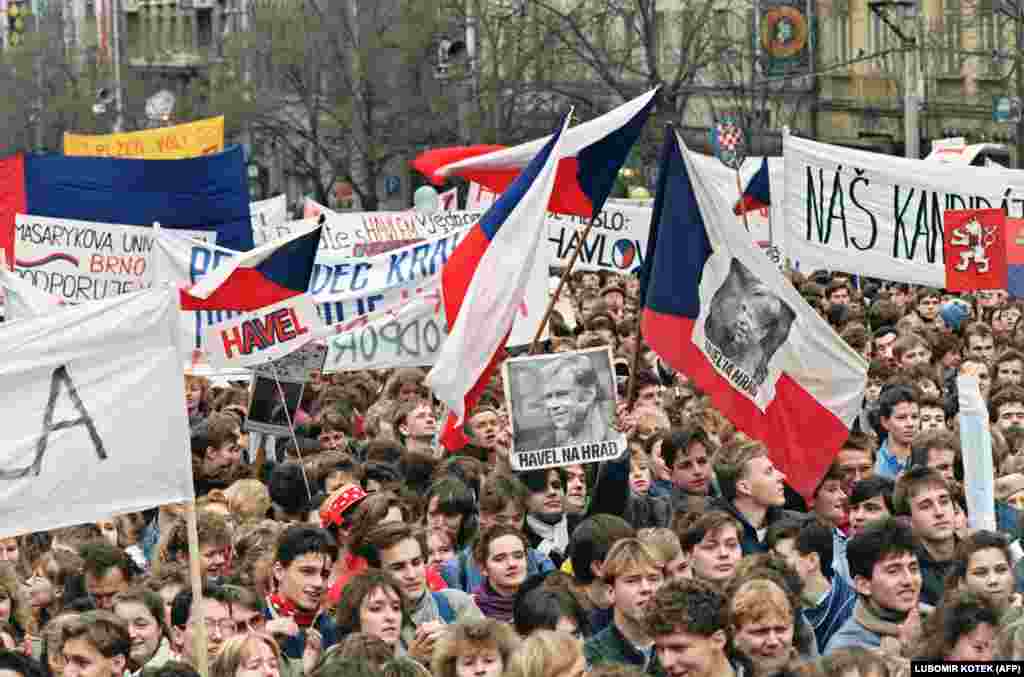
(712, 544)
(591, 542)
(215, 613)
(416, 426)
(898, 422)
(884, 338)
(911, 350)
(887, 578)
(870, 501)
(686, 453)
(1009, 368)
(95, 644)
(302, 566)
(216, 453)
(932, 413)
(484, 426)
(402, 551)
(634, 574)
(503, 500)
(856, 459)
(108, 571)
(924, 494)
(979, 342)
(829, 506)
(687, 621)
(938, 450)
(214, 545)
(807, 547)
(753, 490)
(576, 489)
(1006, 408)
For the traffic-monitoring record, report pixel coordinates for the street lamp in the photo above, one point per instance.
(905, 9)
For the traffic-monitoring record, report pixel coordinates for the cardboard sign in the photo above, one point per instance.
(974, 248)
(256, 337)
(562, 409)
(178, 142)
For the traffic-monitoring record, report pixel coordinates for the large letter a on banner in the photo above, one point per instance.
(60, 378)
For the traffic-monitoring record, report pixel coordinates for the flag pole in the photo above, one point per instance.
(535, 345)
(291, 428)
(631, 388)
(739, 186)
(198, 613)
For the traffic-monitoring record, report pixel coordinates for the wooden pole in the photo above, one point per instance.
(198, 612)
(535, 345)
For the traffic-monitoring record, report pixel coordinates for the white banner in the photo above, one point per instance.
(408, 335)
(345, 288)
(878, 215)
(98, 424)
(81, 261)
(269, 212)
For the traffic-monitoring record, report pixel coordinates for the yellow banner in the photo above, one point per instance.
(203, 137)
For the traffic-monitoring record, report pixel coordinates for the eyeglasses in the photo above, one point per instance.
(225, 627)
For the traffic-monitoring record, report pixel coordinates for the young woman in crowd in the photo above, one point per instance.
(964, 628)
(501, 551)
(372, 603)
(142, 611)
(480, 648)
(984, 566)
(248, 655)
(547, 653)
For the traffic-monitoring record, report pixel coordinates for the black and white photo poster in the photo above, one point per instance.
(563, 409)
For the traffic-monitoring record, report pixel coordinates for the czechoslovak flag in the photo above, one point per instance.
(716, 309)
(502, 246)
(271, 273)
(589, 160)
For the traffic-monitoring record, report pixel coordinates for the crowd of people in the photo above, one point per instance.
(361, 547)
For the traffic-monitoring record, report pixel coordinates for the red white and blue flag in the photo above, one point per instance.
(758, 193)
(271, 273)
(589, 161)
(716, 309)
(502, 247)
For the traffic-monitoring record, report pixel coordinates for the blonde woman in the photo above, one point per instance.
(477, 648)
(547, 653)
(248, 655)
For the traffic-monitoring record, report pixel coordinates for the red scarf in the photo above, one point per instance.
(286, 608)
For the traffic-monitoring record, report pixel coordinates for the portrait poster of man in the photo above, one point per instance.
(745, 326)
(268, 412)
(562, 409)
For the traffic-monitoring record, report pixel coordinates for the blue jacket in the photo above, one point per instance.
(462, 573)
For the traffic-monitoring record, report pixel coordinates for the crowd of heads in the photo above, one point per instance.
(359, 545)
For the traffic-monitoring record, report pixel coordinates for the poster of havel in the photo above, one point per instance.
(563, 409)
(742, 327)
